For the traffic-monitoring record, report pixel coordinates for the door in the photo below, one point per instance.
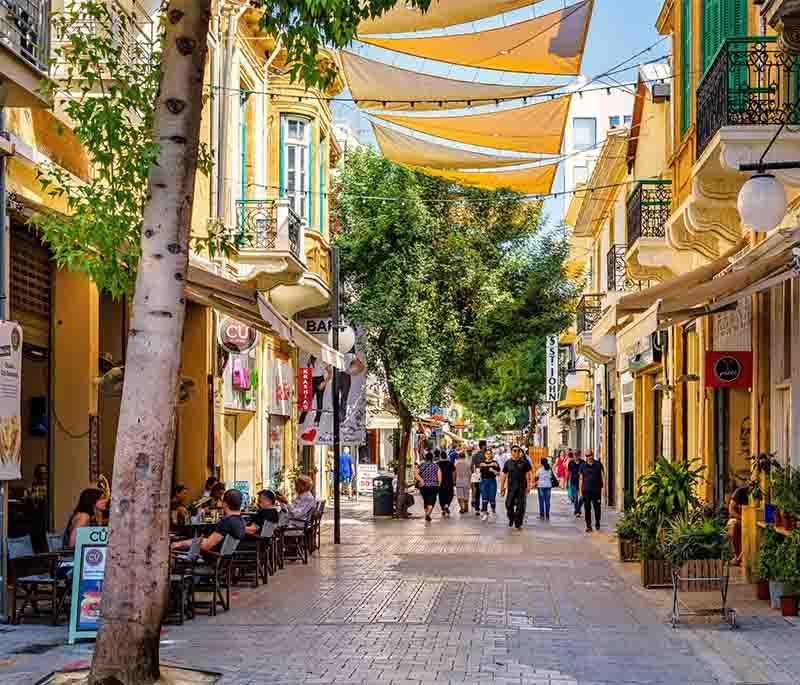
(627, 456)
(579, 435)
(611, 459)
(720, 444)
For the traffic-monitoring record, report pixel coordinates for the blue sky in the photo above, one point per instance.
(619, 29)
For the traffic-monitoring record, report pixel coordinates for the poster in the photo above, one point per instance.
(10, 392)
(282, 389)
(729, 369)
(316, 425)
(87, 583)
(553, 389)
(243, 486)
(366, 473)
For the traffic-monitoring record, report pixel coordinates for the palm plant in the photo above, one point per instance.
(693, 535)
(669, 489)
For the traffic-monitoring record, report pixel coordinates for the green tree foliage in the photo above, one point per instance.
(306, 26)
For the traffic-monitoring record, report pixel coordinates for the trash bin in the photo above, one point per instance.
(382, 496)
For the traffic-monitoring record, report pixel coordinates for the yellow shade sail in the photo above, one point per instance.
(550, 44)
(535, 128)
(411, 151)
(531, 181)
(404, 19)
(375, 85)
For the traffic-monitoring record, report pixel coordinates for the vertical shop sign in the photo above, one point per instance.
(553, 390)
(10, 389)
(87, 583)
(305, 394)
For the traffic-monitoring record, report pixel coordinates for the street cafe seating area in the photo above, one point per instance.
(39, 584)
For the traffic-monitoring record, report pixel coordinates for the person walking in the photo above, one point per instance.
(447, 482)
(544, 486)
(475, 463)
(591, 489)
(463, 482)
(561, 467)
(515, 485)
(428, 477)
(574, 470)
(489, 471)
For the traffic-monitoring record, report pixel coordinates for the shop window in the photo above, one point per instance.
(614, 121)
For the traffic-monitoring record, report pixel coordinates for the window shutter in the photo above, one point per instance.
(686, 65)
(281, 158)
(712, 31)
(310, 174)
(321, 185)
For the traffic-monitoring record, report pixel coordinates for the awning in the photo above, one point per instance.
(531, 181)
(416, 152)
(376, 85)
(635, 342)
(535, 128)
(404, 19)
(646, 298)
(247, 305)
(573, 400)
(550, 44)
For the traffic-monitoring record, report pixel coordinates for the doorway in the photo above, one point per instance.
(627, 457)
(720, 444)
(611, 457)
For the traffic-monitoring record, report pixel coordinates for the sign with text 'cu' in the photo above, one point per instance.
(553, 389)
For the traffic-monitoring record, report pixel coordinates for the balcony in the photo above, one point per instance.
(588, 313)
(648, 256)
(25, 52)
(750, 83)
(619, 277)
(269, 240)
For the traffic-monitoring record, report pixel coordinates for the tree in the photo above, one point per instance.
(425, 264)
(149, 234)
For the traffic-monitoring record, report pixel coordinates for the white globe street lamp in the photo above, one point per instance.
(762, 203)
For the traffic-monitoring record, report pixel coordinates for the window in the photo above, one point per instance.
(614, 121)
(628, 119)
(585, 132)
(581, 175)
(296, 158)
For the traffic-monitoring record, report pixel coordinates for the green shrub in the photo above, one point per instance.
(768, 555)
(787, 559)
(695, 536)
(669, 488)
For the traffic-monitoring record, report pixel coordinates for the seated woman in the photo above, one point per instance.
(267, 512)
(89, 510)
(217, 493)
(179, 509)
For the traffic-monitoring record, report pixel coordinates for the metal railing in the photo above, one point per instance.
(750, 82)
(648, 210)
(25, 30)
(619, 280)
(268, 225)
(588, 312)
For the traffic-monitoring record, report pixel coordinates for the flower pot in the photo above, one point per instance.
(629, 550)
(769, 513)
(789, 522)
(775, 593)
(789, 605)
(762, 590)
(778, 519)
(656, 573)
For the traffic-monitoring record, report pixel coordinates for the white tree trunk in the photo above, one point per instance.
(135, 588)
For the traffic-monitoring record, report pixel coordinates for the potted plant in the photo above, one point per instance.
(697, 546)
(665, 492)
(629, 531)
(788, 572)
(768, 566)
(780, 494)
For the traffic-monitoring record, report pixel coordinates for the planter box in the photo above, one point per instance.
(629, 550)
(705, 569)
(656, 573)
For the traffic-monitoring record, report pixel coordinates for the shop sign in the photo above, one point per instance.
(729, 369)
(236, 337)
(552, 390)
(732, 330)
(10, 393)
(87, 583)
(282, 388)
(305, 389)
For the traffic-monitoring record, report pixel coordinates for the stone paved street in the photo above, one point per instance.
(455, 601)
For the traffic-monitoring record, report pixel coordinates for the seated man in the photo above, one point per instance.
(303, 505)
(267, 512)
(231, 524)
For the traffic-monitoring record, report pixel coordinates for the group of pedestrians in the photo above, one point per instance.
(586, 478)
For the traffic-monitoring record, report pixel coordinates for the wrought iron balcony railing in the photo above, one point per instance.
(619, 280)
(588, 313)
(25, 30)
(269, 225)
(648, 209)
(750, 83)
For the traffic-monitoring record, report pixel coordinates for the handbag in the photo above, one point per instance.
(554, 480)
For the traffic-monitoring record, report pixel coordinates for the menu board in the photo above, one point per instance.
(366, 473)
(10, 390)
(87, 583)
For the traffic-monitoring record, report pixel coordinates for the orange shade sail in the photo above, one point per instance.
(441, 13)
(531, 181)
(376, 85)
(535, 128)
(550, 44)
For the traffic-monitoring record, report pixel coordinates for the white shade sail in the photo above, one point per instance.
(550, 44)
(376, 85)
(404, 19)
(410, 151)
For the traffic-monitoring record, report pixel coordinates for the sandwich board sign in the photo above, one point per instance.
(87, 583)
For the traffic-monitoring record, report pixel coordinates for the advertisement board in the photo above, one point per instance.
(365, 474)
(316, 424)
(282, 390)
(87, 583)
(305, 395)
(10, 392)
(553, 389)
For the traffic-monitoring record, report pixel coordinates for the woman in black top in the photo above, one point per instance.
(448, 483)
